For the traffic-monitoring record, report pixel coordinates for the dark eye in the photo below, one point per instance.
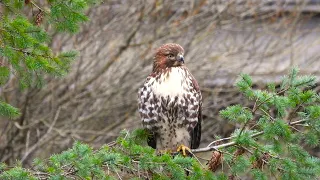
(170, 56)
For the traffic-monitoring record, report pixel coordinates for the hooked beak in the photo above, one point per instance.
(180, 58)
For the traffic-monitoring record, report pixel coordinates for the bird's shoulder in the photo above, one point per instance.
(194, 83)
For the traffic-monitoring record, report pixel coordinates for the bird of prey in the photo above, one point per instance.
(170, 102)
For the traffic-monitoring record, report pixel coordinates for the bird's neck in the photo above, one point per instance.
(170, 82)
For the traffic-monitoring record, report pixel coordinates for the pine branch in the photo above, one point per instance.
(232, 143)
(34, 4)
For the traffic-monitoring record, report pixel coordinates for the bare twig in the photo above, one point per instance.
(44, 137)
(217, 147)
(232, 143)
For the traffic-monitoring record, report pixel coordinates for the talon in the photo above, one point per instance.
(183, 148)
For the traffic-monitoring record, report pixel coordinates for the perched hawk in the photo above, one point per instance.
(170, 102)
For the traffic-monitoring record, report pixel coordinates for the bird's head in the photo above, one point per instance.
(167, 56)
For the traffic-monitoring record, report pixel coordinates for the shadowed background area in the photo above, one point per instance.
(98, 98)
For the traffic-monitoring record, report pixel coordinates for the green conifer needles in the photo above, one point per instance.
(25, 51)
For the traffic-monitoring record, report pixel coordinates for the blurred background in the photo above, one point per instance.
(98, 98)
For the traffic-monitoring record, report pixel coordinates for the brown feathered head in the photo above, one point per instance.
(168, 55)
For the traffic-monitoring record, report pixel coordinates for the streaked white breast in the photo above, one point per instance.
(171, 83)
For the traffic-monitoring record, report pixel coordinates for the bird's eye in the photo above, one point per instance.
(170, 56)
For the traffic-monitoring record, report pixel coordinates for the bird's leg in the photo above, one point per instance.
(164, 151)
(184, 149)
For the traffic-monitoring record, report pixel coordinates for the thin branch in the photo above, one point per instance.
(232, 143)
(267, 114)
(34, 4)
(216, 148)
(220, 140)
(43, 138)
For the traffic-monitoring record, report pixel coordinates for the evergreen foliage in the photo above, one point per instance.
(128, 157)
(24, 41)
(270, 143)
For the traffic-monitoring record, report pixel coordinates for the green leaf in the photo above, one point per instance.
(241, 165)
(258, 174)
(271, 87)
(17, 173)
(297, 152)
(277, 129)
(313, 111)
(244, 85)
(237, 113)
(281, 103)
(245, 139)
(9, 111)
(67, 15)
(4, 75)
(312, 139)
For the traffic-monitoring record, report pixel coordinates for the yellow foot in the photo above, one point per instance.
(184, 148)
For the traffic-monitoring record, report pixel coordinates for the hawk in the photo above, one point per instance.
(170, 102)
